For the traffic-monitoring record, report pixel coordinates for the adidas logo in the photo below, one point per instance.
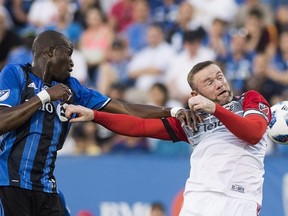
(32, 85)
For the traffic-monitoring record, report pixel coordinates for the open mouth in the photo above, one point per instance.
(223, 92)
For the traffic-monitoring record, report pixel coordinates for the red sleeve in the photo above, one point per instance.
(174, 129)
(253, 125)
(255, 103)
(131, 125)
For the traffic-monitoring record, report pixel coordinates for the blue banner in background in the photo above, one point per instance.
(126, 185)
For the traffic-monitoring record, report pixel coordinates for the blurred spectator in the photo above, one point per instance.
(42, 13)
(274, 4)
(82, 9)
(95, 41)
(281, 19)
(64, 22)
(22, 54)
(237, 63)
(157, 209)
(164, 13)
(150, 64)
(182, 63)
(184, 22)
(8, 23)
(244, 10)
(19, 12)
(158, 95)
(80, 69)
(107, 5)
(278, 72)
(206, 11)
(259, 38)
(115, 68)
(218, 37)
(121, 14)
(9, 40)
(117, 91)
(136, 31)
(84, 135)
(260, 67)
(69, 145)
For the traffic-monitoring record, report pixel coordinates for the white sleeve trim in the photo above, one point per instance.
(6, 105)
(248, 112)
(104, 104)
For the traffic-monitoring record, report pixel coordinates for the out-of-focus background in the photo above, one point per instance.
(141, 51)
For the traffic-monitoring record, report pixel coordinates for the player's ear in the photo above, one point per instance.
(50, 51)
(193, 93)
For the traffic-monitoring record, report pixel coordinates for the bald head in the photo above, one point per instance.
(49, 40)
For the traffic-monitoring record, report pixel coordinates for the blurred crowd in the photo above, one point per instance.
(141, 51)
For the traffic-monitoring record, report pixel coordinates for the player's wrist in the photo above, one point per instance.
(44, 96)
(174, 111)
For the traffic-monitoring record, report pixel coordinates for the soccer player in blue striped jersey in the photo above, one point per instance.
(34, 127)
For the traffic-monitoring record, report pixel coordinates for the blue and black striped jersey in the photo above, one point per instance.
(28, 154)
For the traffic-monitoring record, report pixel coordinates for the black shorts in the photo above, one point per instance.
(17, 201)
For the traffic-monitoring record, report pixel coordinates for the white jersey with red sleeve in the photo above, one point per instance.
(220, 161)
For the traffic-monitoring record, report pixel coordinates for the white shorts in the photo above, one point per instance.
(217, 204)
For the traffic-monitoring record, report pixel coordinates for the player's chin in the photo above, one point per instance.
(223, 99)
(66, 76)
(62, 78)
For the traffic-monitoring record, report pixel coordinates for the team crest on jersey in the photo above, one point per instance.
(4, 94)
(263, 108)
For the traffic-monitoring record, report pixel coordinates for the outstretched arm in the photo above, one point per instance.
(149, 111)
(120, 123)
(140, 110)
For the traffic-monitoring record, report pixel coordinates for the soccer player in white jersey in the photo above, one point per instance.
(227, 168)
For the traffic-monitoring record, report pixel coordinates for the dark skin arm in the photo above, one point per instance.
(14, 117)
(190, 118)
(140, 110)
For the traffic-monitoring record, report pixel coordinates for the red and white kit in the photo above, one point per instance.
(227, 162)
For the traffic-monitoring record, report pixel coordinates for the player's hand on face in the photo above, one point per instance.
(189, 118)
(59, 92)
(82, 113)
(200, 103)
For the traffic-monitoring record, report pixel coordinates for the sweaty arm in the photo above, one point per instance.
(131, 125)
(249, 129)
(140, 110)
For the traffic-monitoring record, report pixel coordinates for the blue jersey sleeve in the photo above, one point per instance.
(12, 82)
(87, 97)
